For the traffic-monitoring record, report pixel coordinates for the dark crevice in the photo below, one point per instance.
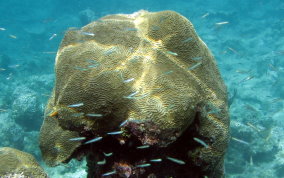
(126, 156)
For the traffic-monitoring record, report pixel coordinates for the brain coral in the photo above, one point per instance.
(15, 163)
(151, 79)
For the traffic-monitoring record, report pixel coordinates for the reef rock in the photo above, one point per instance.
(147, 89)
(15, 163)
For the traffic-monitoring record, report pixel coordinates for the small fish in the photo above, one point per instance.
(221, 23)
(77, 139)
(131, 29)
(115, 133)
(88, 33)
(9, 76)
(195, 66)
(233, 50)
(2, 69)
(176, 160)
(172, 53)
(132, 94)
(251, 161)
(13, 36)
(109, 173)
(80, 68)
(80, 114)
(276, 100)
(94, 140)
(108, 154)
(196, 58)
(163, 18)
(214, 111)
(251, 108)
(253, 127)
(187, 40)
(143, 147)
(128, 80)
(205, 15)
(155, 27)
(92, 61)
(201, 142)
(54, 113)
(110, 51)
(143, 165)
(240, 141)
(93, 66)
(52, 36)
(247, 78)
(94, 115)
(243, 71)
(75, 105)
(168, 72)
(103, 162)
(14, 66)
(123, 123)
(3, 110)
(272, 67)
(2, 29)
(156, 160)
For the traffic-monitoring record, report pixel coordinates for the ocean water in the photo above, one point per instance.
(245, 36)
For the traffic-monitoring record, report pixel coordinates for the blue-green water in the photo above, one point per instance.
(246, 38)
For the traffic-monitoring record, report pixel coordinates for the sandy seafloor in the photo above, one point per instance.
(249, 50)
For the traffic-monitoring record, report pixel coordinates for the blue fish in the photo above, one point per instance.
(194, 66)
(88, 33)
(156, 160)
(143, 147)
(123, 123)
(201, 142)
(128, 80)
(169, 72)
(77, 139)
(108, 154)
(131, 29)
(94, 140)
(187, 40)
(109, 173)
(172, 53)
(94, 115)
(176, 160)
(80, 114)
(196, 58)
(115, 133)
(80, 68)
(143, 165)
(110, 51)
(75, 105)
(103, 162)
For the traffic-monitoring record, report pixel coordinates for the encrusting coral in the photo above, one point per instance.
(139, 95)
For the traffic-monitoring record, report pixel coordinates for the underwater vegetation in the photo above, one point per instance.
(137, 97)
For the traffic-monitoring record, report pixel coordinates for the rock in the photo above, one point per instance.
(15, 163)
(26, 108)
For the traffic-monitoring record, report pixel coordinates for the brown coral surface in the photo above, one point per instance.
(15, 163)
(143, 79)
